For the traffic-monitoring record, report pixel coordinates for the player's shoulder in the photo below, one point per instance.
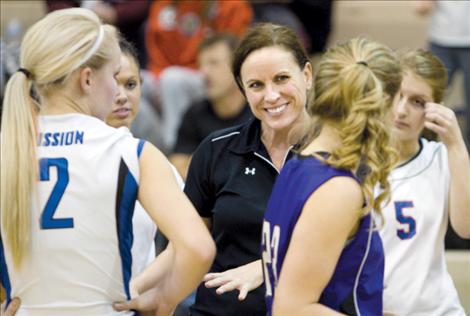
(432, 148)
(431, 156)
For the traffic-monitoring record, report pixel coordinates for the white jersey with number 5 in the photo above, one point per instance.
(80, 258)
(416, 278)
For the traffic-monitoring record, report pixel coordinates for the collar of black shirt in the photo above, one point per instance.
(249, 140)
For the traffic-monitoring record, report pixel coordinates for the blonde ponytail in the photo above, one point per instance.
(354, 87)
(18, 164)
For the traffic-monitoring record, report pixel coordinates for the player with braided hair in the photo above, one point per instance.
(320, 251)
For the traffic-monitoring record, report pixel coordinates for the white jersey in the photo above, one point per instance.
(416, 278)
(81, 230)
(143, 247)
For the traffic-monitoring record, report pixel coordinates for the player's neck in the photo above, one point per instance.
(407, 150)
(60, 103)
(327, 141)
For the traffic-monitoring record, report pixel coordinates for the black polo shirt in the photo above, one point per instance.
(200, 120)
(230, 179)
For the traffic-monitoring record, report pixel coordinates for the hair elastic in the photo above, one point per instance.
(361, 62)
(26, 72)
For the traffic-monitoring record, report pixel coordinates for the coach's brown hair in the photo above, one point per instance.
(267, 35)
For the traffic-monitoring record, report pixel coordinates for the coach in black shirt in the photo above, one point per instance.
(229, 182)
(232, 172)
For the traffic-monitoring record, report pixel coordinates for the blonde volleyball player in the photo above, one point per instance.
(429, 185)
(321, 254)
(122, 114)
(71, 181)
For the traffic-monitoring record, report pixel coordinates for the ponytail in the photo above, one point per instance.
(18, 164)
(363, 131)
(354, 88)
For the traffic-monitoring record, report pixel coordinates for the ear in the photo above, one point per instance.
(86, 79)
(308, 73)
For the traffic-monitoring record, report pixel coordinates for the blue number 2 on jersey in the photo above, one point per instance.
(47, 218)
(408, 220)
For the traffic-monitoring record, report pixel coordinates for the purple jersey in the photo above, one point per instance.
(357, 282)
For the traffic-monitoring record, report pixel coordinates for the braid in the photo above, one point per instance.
(354, 87)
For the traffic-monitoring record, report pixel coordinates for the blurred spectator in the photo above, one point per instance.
(316, 19)
(148, 122)
(128, 16)
(279, 12)
(176, 28)
(9, 53)
(311, 20)
(174, 31)
(224, 106)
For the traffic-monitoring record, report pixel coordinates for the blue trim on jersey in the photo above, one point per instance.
(4, 277)
(140, 147)
(126, 198)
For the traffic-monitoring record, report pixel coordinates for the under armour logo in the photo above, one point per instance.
(248, 171)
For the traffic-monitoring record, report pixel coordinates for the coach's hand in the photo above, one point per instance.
(245, 278)
(12, 307)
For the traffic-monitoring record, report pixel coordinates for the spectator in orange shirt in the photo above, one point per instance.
(174, 31)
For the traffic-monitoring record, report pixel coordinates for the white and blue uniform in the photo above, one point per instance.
(143, 247)
(355, 287)
(80, 258)
(416, 277)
